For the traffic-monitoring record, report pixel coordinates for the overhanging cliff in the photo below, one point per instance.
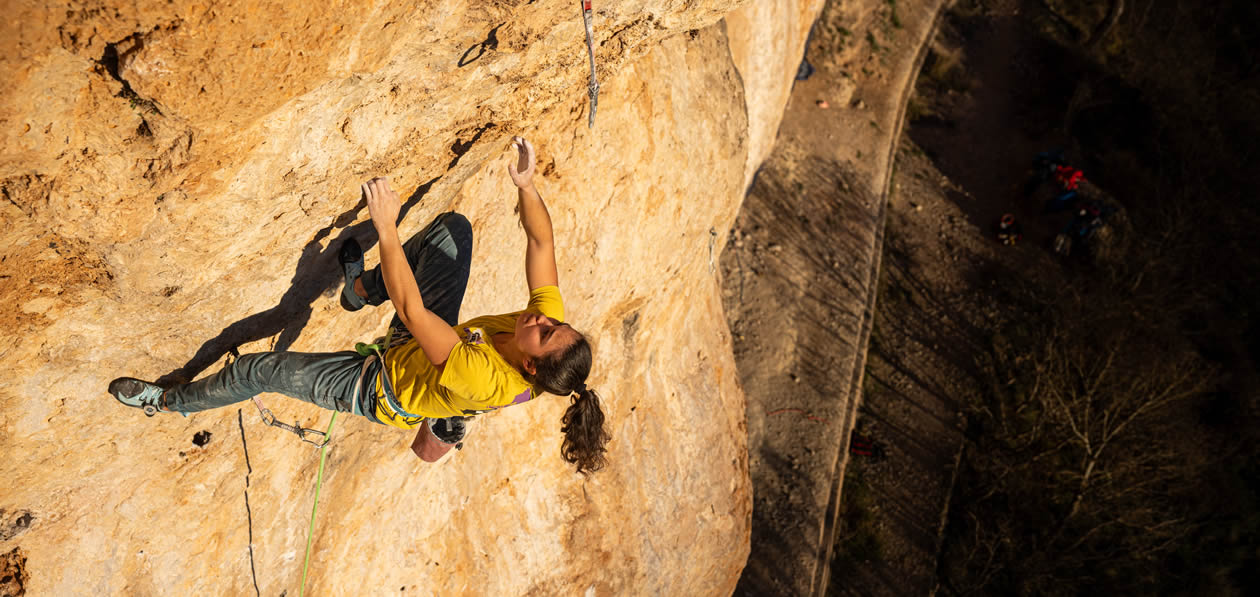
(178, 177)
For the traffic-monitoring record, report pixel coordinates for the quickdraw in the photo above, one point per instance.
(592, 88)
(304, 433)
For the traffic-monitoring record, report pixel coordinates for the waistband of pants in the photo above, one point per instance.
(365, 402)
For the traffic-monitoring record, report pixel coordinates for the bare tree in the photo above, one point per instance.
(1080, 456)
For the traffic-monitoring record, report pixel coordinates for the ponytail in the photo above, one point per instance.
(584, 434)
(583, 422)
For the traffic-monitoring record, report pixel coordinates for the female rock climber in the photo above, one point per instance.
(433, 368)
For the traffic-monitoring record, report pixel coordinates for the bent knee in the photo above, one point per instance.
(458, 226)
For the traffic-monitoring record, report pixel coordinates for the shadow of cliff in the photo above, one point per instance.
(316, 273)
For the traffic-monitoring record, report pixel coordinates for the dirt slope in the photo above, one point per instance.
(798, 280)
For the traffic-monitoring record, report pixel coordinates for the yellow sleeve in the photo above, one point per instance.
(546, 301)
(472, 379)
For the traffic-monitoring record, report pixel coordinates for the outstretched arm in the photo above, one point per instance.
(540, 251)
(434, 336)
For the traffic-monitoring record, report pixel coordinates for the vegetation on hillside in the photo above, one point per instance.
(1113, 448)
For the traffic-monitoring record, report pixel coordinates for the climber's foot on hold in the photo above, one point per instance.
(351, 258)
(138, 394)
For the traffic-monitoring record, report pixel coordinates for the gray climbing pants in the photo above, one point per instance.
(439, 255)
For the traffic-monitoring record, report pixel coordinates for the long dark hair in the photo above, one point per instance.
(565, 373)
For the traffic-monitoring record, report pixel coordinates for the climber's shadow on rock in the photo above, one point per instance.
(316, 273)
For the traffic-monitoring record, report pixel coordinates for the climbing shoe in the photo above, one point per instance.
(351, 258)
(139, 394)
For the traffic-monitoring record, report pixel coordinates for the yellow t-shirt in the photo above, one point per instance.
(475, 379)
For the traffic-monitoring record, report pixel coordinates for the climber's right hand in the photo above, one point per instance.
(383, 204)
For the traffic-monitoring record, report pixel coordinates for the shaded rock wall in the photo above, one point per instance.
(177, 178)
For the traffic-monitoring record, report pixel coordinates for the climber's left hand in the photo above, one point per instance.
(382, 204)
(522, 167)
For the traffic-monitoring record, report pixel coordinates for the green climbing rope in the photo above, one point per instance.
(319, 481)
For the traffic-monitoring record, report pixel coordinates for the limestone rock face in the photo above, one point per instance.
(178, 177)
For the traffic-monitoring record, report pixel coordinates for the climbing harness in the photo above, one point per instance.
(592, 88)
(394, 337)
